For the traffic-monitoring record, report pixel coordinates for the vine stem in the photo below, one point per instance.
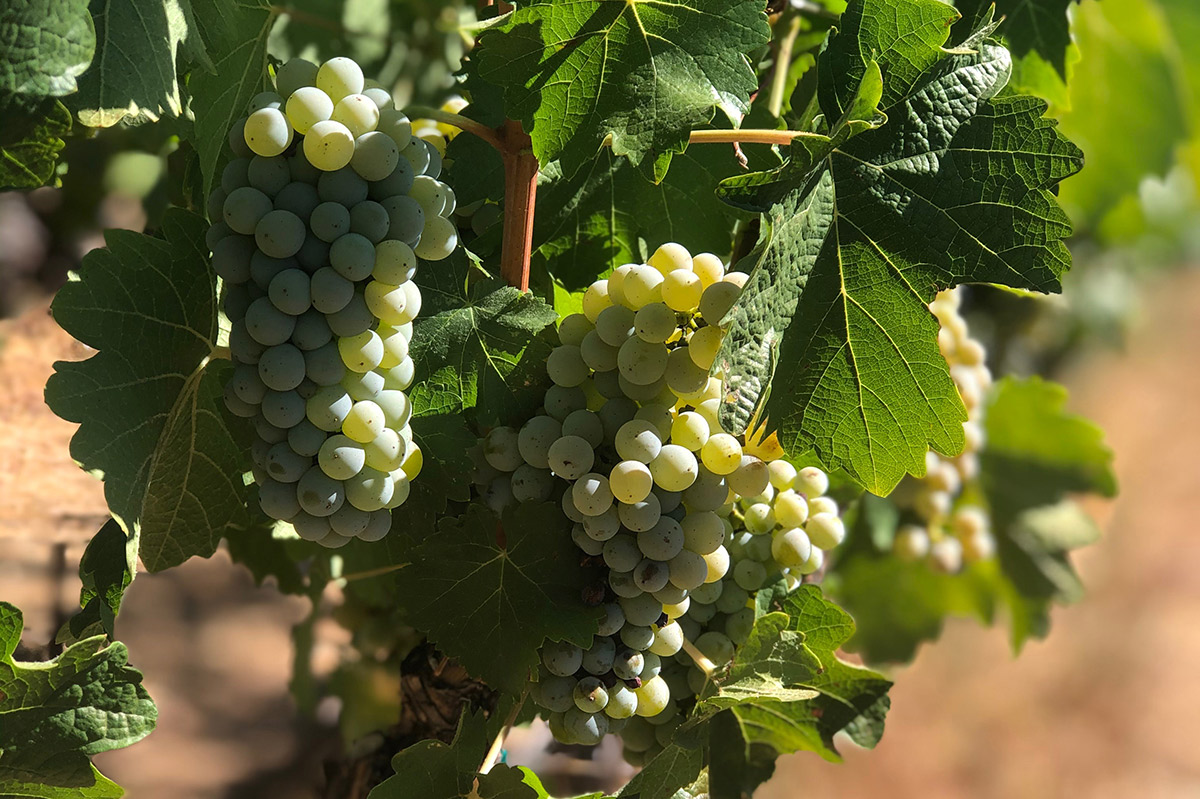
(493, 752)
(459, 121)
(219, 354)
(520, 197)
(749, 136)
(368, 573)
(705, 665)
(783, 63)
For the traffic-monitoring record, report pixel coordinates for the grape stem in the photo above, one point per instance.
(749, 136)
(459, 121)
(368, 573)
(219, 354)
(493, 753)
(783, 65)
(705, 665)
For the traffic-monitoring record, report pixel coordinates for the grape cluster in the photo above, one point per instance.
(941, 523)
(320, 220)
(661, 497)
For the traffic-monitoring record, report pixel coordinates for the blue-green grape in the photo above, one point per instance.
(622, 584)
(378, 526)
(299, 198)
(431, 194)
(281, 367)
(235, 175)
(290, 291)
(641, 516)
(375, 155)
(562, 658)
(651, 575)
(407, 220)
(312, 331)
(242, 346)
(434, 168)
(355, 318)
(398, 127)
(324, 365)
(237, 139)
(530, 484)
(560, 401)
(319, 495)
(278, 500)
(370, 220)
(353, 256)
(264, 268)
(329, 221)
(237, 407)
(555, 693)
(581, 539)
(306, 438)
(331, 292)
(294, 74)
(246, 384)
(234, 301)
(642, 610)
(349, 521)
(604, 526)
(329, 407)
(267, 324)
(269, 432)
(637, 637)
(417, 154)
(313, 254)
(309, 527)
(621, 554)
(598, 658)
(284, 409)
(585, 425)
(535, 439)
(397, 183)
(343, 187)
(302, 169)
(269, 175)
(285, 465)
(614, 619)
(279, 234)
(244, 208)
(395, 262)
(266, 99)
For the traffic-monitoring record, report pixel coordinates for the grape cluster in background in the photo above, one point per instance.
(319, 223)
(941, 522)
(680, 521)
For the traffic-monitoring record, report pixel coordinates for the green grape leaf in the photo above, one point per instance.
(916, 208)
(134, 73)
(44, 46)
(476, 597)
(849, 699)
(108, 566)
(1039, 26)
(671, 770)
(608, 214)
(269, 551)
(14, 784)
(476, 345)
(236, 34)
(55, 715)
(643, 72)
(434, 769)
(152, 420)
(733, 769)
(30, 140)
(511, 782)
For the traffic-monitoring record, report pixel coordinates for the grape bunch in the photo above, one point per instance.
(629, 442)
(941, 522)
(320, 221)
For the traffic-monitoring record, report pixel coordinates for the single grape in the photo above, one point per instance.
(530, 484)
(299, 198)
(638, 440)
(654, 323)
(328, 145)
(825, 530)
(244, 208)
(717, 299)
(595, 300)
(675, 468)
(565, 366)
(364, 421)
(418, 156)
(570, 457)
(281, 368)
(339, 77)
(703, 532)
(586, 425)
(630, 481)
(573, 329)
(407, 218)
(395, 262)
(266, 324)
(438, 239)
(231, 258)
(598, 658)
(591, 494)
(811, 482)
(353, 256)
(651, 575)
(269, 175)
(640, 516)
(358, 113)
(535, 439)
(329, 221)
(501, 449)
(278, 500)
(689, 430)
(370, 489)
(237, 139)
(279, 234)
(622, 584)
(653, 697)
(663, 541)
(722, 454)
(236, 174)
(328, 408)
(561, 658)
(397, 126)
(556, 694)
(353, 319)
(319, 494)
(268, 132)
(395, 346)
(751, 478)
(369, 219)
(397, 409)
(621, 554)
(295, 73)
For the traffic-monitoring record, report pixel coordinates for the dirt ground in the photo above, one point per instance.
(1104, 708)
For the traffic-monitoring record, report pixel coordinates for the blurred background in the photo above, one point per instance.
(1102, 708)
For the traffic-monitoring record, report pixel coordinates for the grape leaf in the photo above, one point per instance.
(850, 698)
(475, 597)
(54, 715)
(511, 782)
(917, 208)
(1035, 458)
(643, 72)
(268, 552)
(44, 46)
(30, 140)
(108, 566)
(1040, 26)
(433, 769)
(152, 420)
(16, 785)
(236, 35)
(134, 74)
(670, 770)
(733, 769)
(476, 345)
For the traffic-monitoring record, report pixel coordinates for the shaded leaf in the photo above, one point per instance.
(30, 140)
(15, 784)
(1040, 26)
(108, 566)
(44, 46)
(672, 769)
(433, 769)
(511, 782)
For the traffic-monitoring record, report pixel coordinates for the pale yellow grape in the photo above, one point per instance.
(395, 348)
(718, 564)
(782, 474)
(675, 468)
(361, 353)
(396, 409)
(676, 610)
(709, 390)
(946, 555)
(911, 542)
(395, 262)
(307, 106)
(386, 451)
(328, 145)
(339, 77)
(736, 278)
(397, 127)
(655, 323)
(595, 300)
(703, 346)
(295, 74)
(268, 132)
(668, 639)
(401, 487)
(710, 410)
(825, 530)
(379, 96)
(722, 454)
(386, 302)
(708, 268)
(683, 376)
(751, 478)
(616, 284)
(358, 113)
(434, 137)
(811, 481)
(413, 461)
(681, 290)
(759, 518)
(816, 559)
(400, 377)
(717, 300)
(689, 430)
(652, 697)
(822, 505)
(670, 257)
(791, 509)
(630, 481)
(703, 532)
(641, 362)
(438, 239)
(642, 286)
(364, 422)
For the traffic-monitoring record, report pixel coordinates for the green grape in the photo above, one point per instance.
(279, 234)
(595, 300)
(709, 492)
(750, 575)
(339, 77)
(791, 548)
(269, 175)
(671, 257)
(268, 132)
(561, 658)
(375, 155)
(708, 268)
(341, 458)
(397, 409)
(285, 465)
(278, 500)
(535, 439)
(294, 74)
(615, 324)
(621, 554)
(751, 478)
(369, 219)
(722, 454)
(570, 457)
(431, 194)
(395, 262)
(681, 290)
(268, 325)
(309, 527)
(397, 127)
(638, 440)
(364, 422)
(530, 484)
(386, 302)
(281, 368)
(379, 96)
(690, 430)
(363, 385)
(349, 521)
(319, 494)
(654, 323)
(363, 352)
(386, 451)
(586, 425)
(400, 377)
(299, 198)
(395, 347)
(264, 268)
(811, 482)
(236, 174)
(630, 481)
(566, 367)
(661, 542)
(378, 526)
(231, 258)
(342, 186)
(269, 432)
(246, 384)
(641, 516)
(574, 329)
(313, 253)
(237, 407)
(306, 438)
(290, 291)
(407, 218)
(237, 139)
(653, 697)
(283, 409)
(438, 239)
(417, 154)
(328, 145)
(311, 331)
(717, 300)
(602, 527)
(358, 113)
(642, 363)
(791, 509)
(244, 208)
(396, 183)
(330, 291)
(703, 346)
(329, 221)
(561, 400)
(642, 285)
(596, 354)
(243, 348)
(674, 468)
(825, 530)
(353, 256)
(683, 376)
(328, 408)
(353, 319)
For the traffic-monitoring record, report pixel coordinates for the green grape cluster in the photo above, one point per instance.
(942, 523)
(629, 442)
(321, 219)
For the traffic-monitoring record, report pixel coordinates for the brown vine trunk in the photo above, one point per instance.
(520, 196)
